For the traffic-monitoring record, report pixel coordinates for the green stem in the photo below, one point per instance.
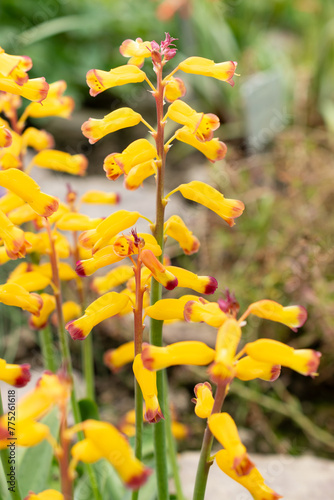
(48, 350)
(139, 429)
(204, 463)
(5, 458)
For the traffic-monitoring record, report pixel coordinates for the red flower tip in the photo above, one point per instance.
(153, 416)
(172, 284)
(75, 332)
(118, 198)
(187, 311)
(313, 364)
(39, 302)
(146, 357)
(4, 433)
(24, 376)
(243, 465)
(275, 372)
(79, 268)
(137, 481)
(51, 208)
(212, 286)
(302, 316)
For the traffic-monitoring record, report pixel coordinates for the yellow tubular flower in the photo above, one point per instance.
(249, 369)
(8, 63)
(100, 197)
(200, 124)
(158, 270)
(45, 495)
(303, 361)
(170, 309)
(174, 89)
(228, 338)
(136, 153)
(31, 281)
(104, 307)
(15, 295)
(115, 359)
(5, 137)
(54, 105)
(74, 221)
(3, 256)
(204, 400)
(66, 273)
(292, 316)
(107, 442)
(225, 431)
(49, 305)
(16, 375)
(9, 202)
(114, 278)
(71, 310)
(180, 353)
(22, 214)
(101, 258)
(24, 186)
(200, 66)
(253, 481)
(98, 80)
(61, 161)
(134, 179)
(176, 229)
(137, 50)
(10, 157)
(35, 89)
(213, 149)
(148, 385)
(95, 129)
(13, 238)
(37, 139)
(187, 279)
(112, 225)
(206, 195)
(210, 313)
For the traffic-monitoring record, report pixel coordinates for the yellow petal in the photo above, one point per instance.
(37, 139)
(137, 50)
(49, 305)
(98, 80)
(59, 106)
(15, 295)
(9, 202)
(16, 375)
(249, 369)
(210, 313)
(35, 89)
(134, 179)
(228, 338)
(112, 225)
(136, 153)
(174, 89)
(101, 258)
(115, 359)
(204, 400)
(147, 381)
(292, 316)
(206, 195)
(158, 270)
(187, 279)
(5, 137)
(100, 197)
(71, 310)
(200, 66)
(74, 221)
(13, 238)
(180, 353)
(61, 161)
(22, 214)
(114, 278)
(46, 495)
(169, 309)
(31, 281)
(213, 149)
(176, 229)
(95, 129)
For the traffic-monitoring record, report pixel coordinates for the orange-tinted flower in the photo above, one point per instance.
(147, 381)
(210, 313)
(95, 129)
(102, 308)
(15, 295)
(103, 440)
(180, 353)
(200, 66)
(204, 400)
(25, 187)
(100, 197)
(54, 105)
(10, 157)
(37, 139)
(134, 179)
(15, 66)
(213, 149)
(206, 195)
(61, 161)
(137, 50)
(225, 431)
(35, 89)
(253, 481)
(174, 89)
(98, 80)
(16, 375)
(292, 316)
(136, 153)
(158, 270)
(304, 361)
(248, 368)
(176, 229)
(49, 305)
(200, 124)
(115, 359)
(187, 279)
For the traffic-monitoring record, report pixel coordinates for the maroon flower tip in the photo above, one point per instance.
(188, 310)
(75, 332)
(153, 416)
(24, 376)
(275, 372)
(212, 286)
(79, 268)
(118, 198)
(146, 357)
(172, 284)
(137, 481)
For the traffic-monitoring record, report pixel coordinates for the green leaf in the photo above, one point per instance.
(110, 485)
(35, 463)
(88, 409)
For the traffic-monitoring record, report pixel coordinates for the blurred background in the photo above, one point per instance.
(278, 123)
